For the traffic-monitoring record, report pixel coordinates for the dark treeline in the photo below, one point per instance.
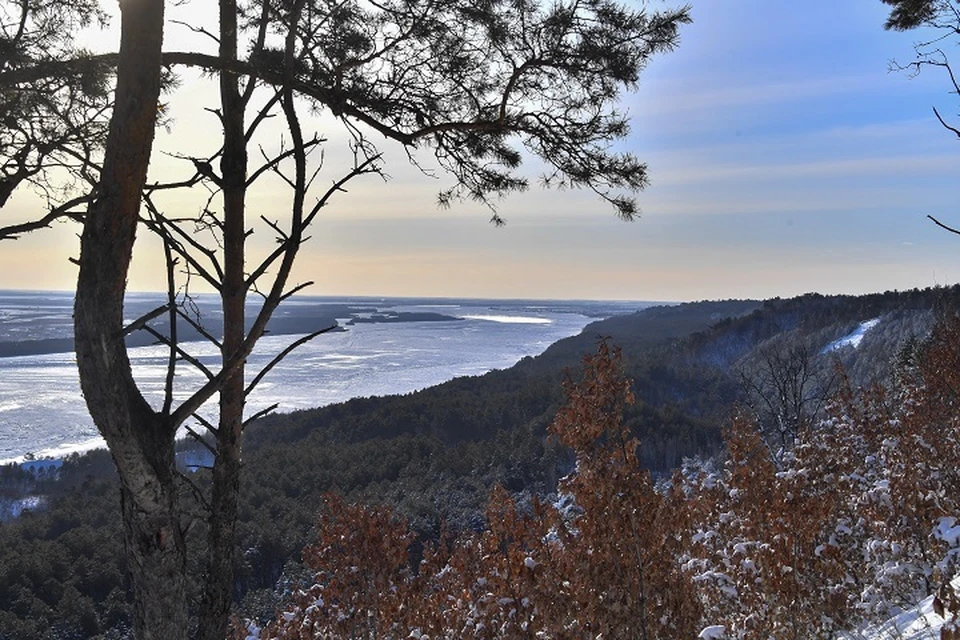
(433, 454)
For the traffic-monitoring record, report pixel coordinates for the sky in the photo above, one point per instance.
(784, 157)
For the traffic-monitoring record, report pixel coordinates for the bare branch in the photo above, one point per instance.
(263, 113)
(141, 322)
(195, 29)
(261, 413)
(255, 51)
(195, 490)
(367, 166)
(199, 438)
(943, 226)
(283, 354)
(274, 162)
(296, 289)
(945, 125)
(215, 383)
(64, 211)
(199, 329)
(206, 425)
(184, 355)
(51, 68)
(163, 226)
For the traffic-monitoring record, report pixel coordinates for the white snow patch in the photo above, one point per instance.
(853, 338)
(949, 531)
(918, 623)
(714, 632)
(253, 631)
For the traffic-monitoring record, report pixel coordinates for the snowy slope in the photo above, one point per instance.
(919, 623)
(853, 338)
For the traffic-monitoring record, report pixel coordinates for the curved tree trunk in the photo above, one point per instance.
(140, 440)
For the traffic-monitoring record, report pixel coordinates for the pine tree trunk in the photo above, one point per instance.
(219, 581)
(156, 555)
(140, 440)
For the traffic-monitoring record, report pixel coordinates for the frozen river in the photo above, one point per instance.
(384, 349)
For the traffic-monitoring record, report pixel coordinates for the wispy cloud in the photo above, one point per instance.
(690, 95)
(834, 169)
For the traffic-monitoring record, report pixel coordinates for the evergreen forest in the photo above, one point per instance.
(697, 387)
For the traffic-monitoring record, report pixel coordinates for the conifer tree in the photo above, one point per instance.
(478, 86)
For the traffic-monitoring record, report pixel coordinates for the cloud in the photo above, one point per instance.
(830, 168)
(670, 97)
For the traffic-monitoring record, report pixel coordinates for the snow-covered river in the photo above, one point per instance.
(42, 411)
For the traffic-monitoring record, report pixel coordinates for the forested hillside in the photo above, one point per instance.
(841, 536)
(434, 455)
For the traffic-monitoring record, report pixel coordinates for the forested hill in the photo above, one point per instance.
(436, 453)
(476, 408)
(688, 362)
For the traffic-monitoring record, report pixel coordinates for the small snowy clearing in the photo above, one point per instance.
(853, 338)
(918, 623)
(714, 632)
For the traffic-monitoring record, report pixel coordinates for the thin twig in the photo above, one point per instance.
(196, 29)
(140, 323)
(945, 125)
(199, 328)
(199, 438)
(261, 413)
(283, 354)
(206, 425)
(195, 490)
(943, 226)
(180, 351)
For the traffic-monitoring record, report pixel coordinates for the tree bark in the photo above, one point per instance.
(218, 585)
(140, 440)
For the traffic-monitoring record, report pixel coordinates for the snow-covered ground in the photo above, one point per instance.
(918, 623)
(853, 338)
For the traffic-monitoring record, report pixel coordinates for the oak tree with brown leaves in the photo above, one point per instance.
(606, 565)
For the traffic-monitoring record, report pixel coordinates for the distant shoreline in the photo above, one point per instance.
(280, 326)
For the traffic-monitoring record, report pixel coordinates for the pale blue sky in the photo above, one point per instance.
(784, 158)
